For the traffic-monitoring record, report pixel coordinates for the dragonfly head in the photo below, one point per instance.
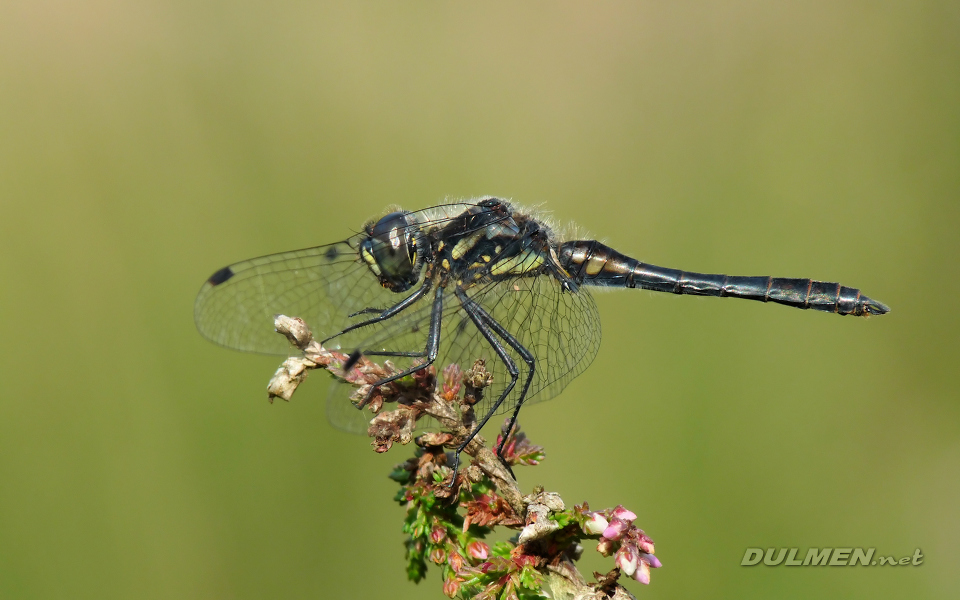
(392, 251)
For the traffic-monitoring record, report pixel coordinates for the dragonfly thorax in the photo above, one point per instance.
(391, 251)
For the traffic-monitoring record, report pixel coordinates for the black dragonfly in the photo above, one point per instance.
(459, 282)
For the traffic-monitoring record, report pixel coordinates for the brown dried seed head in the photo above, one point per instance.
(435, 439)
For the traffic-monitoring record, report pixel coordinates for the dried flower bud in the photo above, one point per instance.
(434, 438)
(474, 473)
(606, 547)
(285, 381)
(438, 555)
(294, 329)
(455, 560)
(452, 380)
(375, 403)
(595, 525)
(360, 394)
(451, 586)
(478, 550)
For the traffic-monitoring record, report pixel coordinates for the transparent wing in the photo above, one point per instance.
(406, 332)
(560, 328)
(321, 285)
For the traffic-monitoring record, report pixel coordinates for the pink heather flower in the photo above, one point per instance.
(623, 514)
(650, 560)
(437, 535)
(643, 573)
(627, 560)
(595, 525)
(615, 529)
(478, 550)
(438, 556)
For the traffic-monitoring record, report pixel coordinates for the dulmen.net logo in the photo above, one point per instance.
(830, 557)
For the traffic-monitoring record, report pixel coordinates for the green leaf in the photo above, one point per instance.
(502, 549)
(562, 519)
(530, 578)
(416, 570)
(400, 475)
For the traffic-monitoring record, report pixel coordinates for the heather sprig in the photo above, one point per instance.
(449, 515)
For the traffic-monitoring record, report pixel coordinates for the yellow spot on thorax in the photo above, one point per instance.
(595, 265)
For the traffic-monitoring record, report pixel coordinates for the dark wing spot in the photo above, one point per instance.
(332, 253)
(220, 276)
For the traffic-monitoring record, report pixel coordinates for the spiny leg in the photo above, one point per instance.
(471, 308)
(417, 354)
(354, 356)
(487, 326)
(431, 349)
(383, 315)
(366, 311)
(531, 365)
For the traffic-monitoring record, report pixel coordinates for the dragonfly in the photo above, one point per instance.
(458, 282)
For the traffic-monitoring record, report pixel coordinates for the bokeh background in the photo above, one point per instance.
(145, 144)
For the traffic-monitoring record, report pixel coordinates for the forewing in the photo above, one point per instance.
(322, 285)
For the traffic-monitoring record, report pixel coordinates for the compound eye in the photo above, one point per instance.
(391, 228)
(393, 250)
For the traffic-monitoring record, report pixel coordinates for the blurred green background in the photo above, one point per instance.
(144, 145)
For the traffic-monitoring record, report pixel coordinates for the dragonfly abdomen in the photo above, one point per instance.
(592, 263)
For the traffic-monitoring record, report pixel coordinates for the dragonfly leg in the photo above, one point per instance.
(367, 311)
(431, 349)
(356, 354)
(383, 315)
(417, 354)
(477, 315)
(531, 366)
(488, 326)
